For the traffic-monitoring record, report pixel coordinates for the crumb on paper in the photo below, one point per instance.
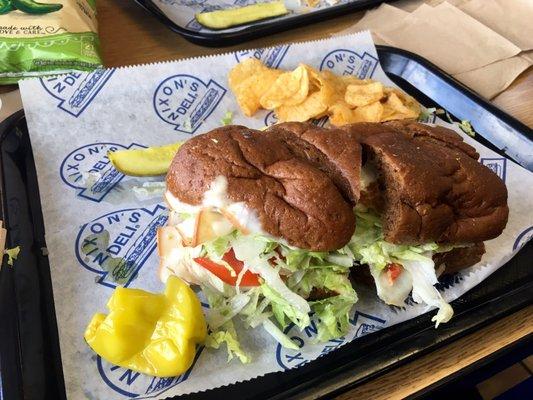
(227, 119)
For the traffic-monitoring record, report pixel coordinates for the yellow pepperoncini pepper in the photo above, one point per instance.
(155, 334)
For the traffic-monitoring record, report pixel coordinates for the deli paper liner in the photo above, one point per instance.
(75, 119)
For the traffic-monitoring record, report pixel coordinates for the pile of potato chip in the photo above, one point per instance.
(305, 93)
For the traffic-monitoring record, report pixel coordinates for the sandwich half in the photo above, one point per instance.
(261, 222)
(426, 207)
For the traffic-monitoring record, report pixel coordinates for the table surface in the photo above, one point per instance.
(130, 36)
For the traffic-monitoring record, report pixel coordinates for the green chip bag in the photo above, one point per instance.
(47, 37)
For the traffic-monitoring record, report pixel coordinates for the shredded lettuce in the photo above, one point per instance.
(422, 271)
(466, 127)
(224, 309)
(333, 317)
(394, 294)
(283, 339)
(227, 119)
(300, 287)
(331, 313)
(419, 274)
(251, 252)
(283, 310)
(216, 248)
(226, 334)
(288, 277)
(369, 246)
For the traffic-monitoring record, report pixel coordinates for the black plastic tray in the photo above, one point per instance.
(30, 361)
(215, 39)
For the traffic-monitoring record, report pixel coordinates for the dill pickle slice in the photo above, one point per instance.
(221, 19)
(152, 161)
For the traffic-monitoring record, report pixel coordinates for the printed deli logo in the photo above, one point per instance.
(348, 62)
(76, 90)
(306, 340)
(498, 165)
(271, 57)
(89, 170)
(185, 101)
(523, 238)
(115, 246)
(136, 385)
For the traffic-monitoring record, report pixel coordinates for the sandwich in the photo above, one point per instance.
(273, 225)
(260, 221)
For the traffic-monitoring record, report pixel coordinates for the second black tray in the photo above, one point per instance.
(253, 31)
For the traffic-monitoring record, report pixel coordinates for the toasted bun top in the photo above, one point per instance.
(433, 187)
(297, 178)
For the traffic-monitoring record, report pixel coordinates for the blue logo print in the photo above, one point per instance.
(348, 62)
(185, 3)
(115, 246)
(185, 101)
(89, 170)
(497, 165)
(76, 90)
(245, 2)
(523, 238)
(193, 24)
(366, 323)
(134, 384)
(271, 57)
(288, 358)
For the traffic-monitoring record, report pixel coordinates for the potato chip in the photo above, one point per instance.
(290, 88)
(399, 106)
(364, 94)
(342, 114)
(322, 92)
(353, 80)
(249, 80)
(336, 86)
(243, 71)
(312, 107)
(369, 113)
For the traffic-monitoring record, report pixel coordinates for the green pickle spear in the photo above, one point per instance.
(221, 19)
(152, 161)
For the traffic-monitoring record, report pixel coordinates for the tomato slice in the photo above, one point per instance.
(393, 271)
(221, 271)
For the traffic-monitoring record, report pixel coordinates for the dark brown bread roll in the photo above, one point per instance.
(433, 187)
(330, 150)
(460, 257)
(295, 183)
